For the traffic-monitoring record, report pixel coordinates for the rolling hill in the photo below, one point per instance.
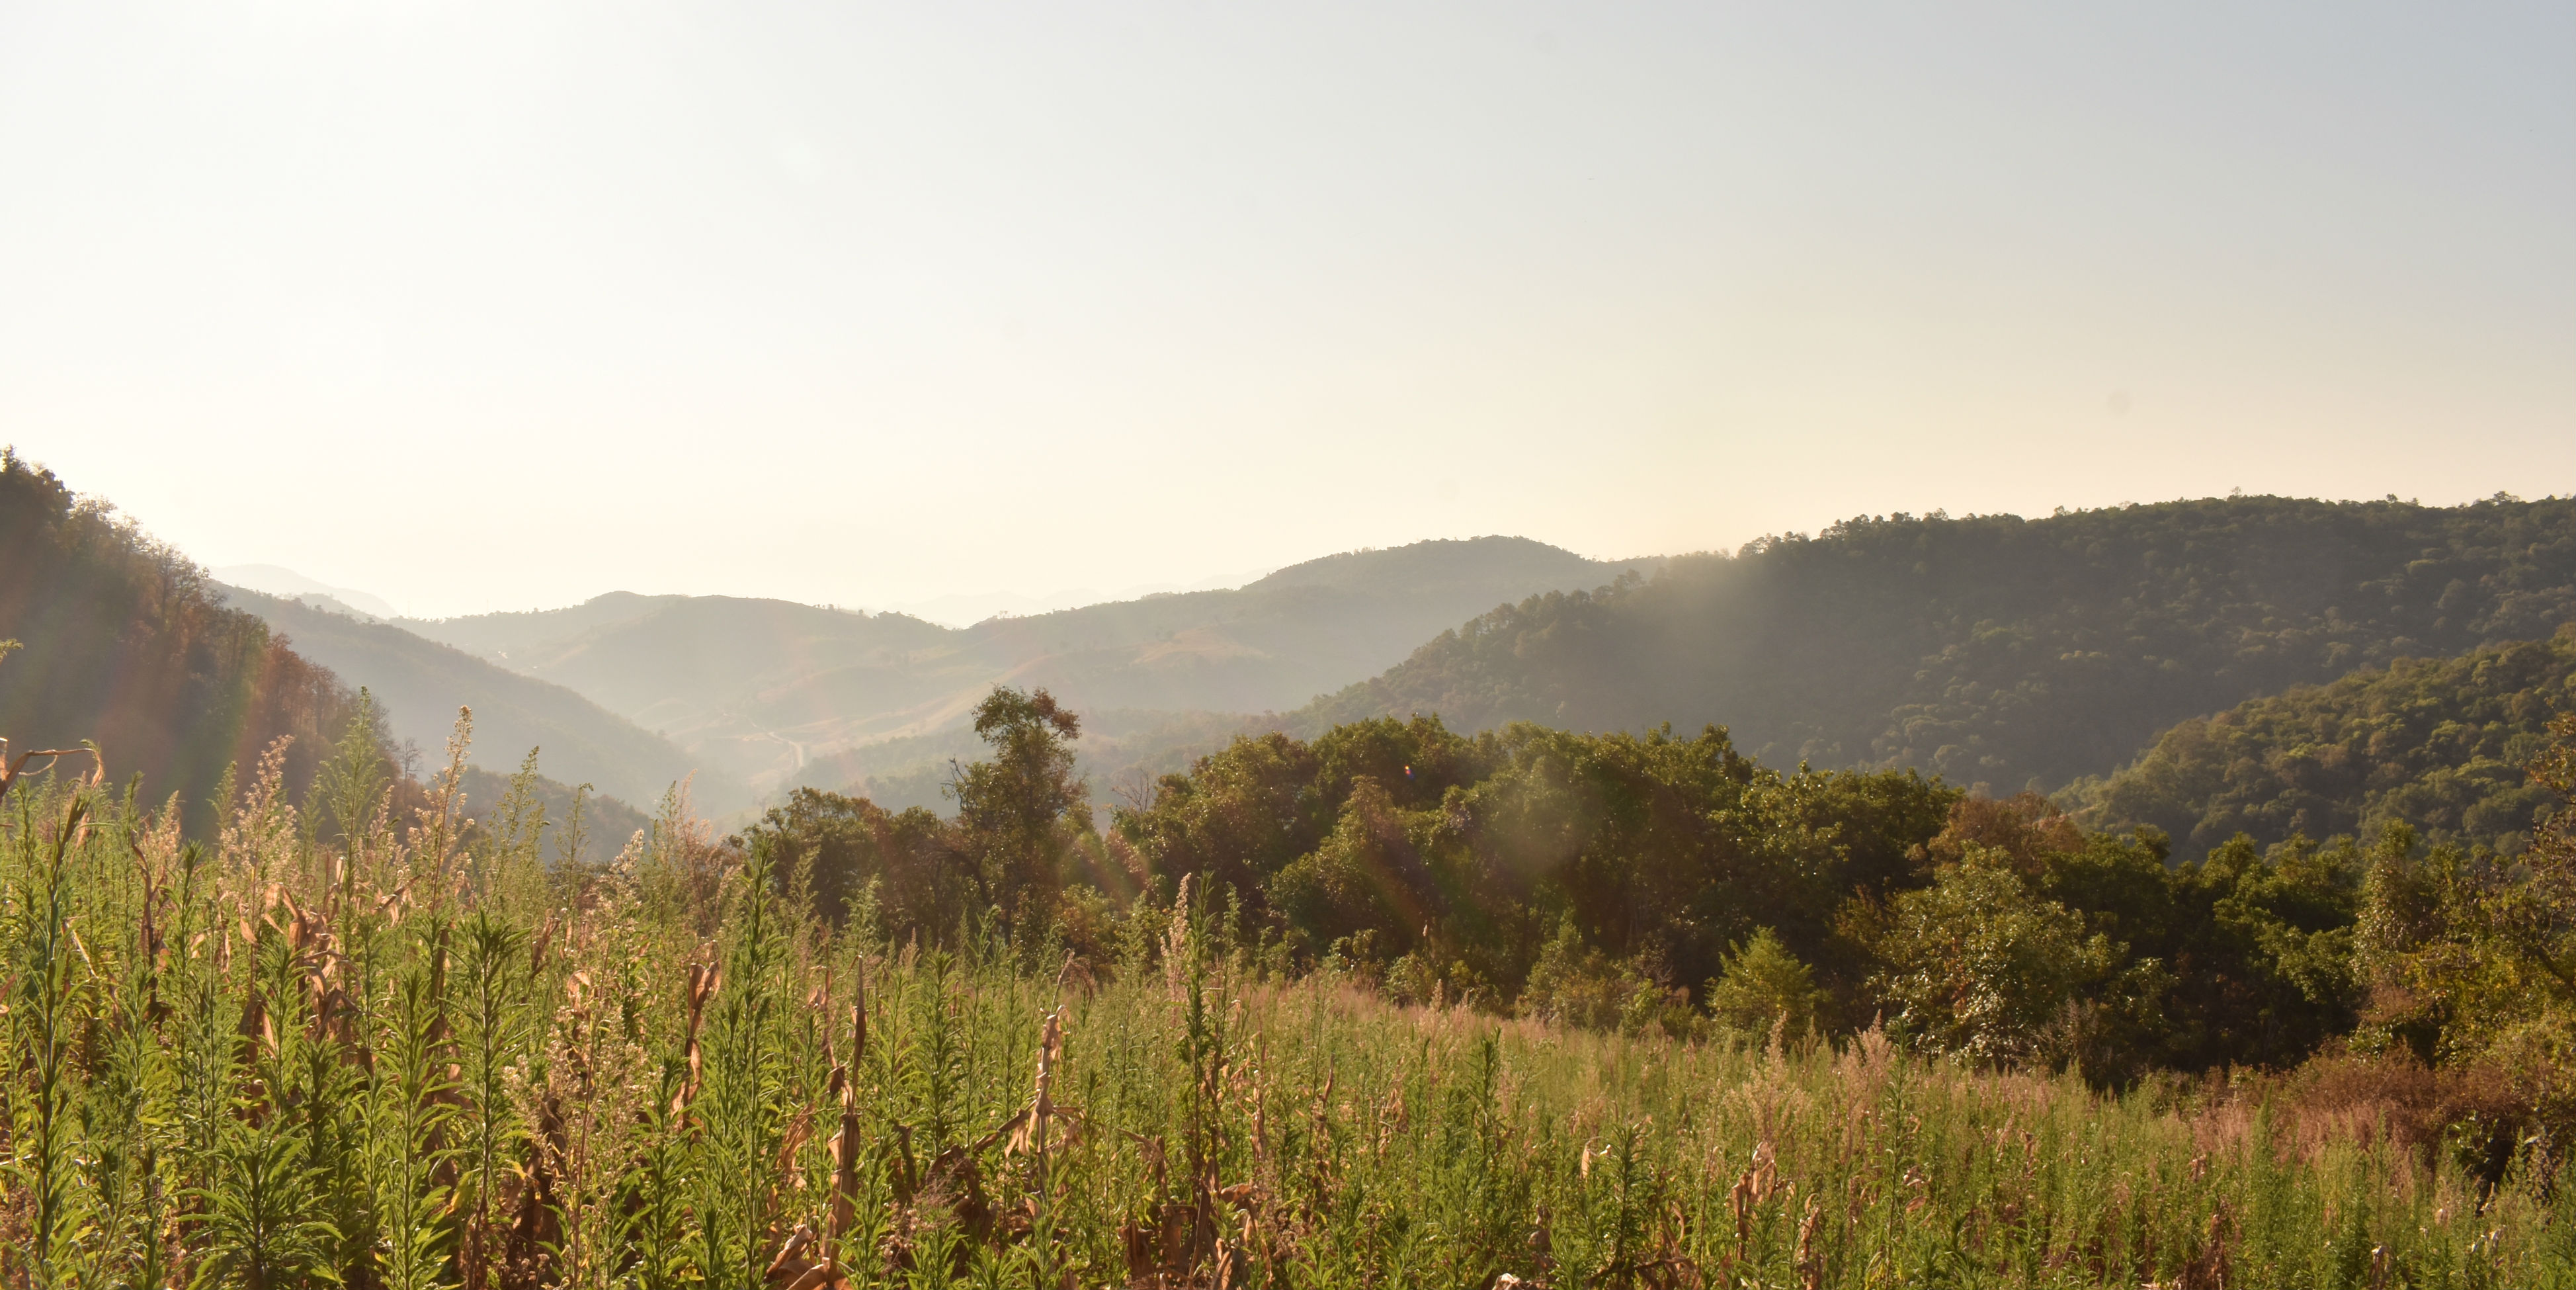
(776, 693)
(1996, 650)
(420, 684)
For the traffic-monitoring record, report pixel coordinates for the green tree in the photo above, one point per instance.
(2472, 956)
(1369, 874)
(1239, 816)
(843, 851)
(1982, 965)
(2246, 955)
(1021, 814)
(2261, 948)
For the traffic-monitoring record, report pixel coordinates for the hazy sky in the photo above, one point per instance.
(501, 305)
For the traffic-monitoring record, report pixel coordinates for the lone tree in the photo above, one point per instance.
(1020, 813)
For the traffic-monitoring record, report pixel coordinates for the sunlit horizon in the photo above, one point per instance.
(487, 307)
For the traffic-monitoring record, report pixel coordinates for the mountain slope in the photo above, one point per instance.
(124, 644)
(1999, 650)
(2439, 744)
(765, 688)
(688, 662)
(420, 684)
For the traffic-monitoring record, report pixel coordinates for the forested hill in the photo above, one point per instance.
(117, 640)
(1997, 650)
(2438, 744)
(121, 643)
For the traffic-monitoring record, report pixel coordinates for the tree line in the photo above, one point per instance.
(1667, 883)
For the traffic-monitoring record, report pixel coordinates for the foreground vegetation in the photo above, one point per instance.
(325, 1046)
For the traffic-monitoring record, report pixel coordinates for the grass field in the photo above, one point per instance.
(424, 1056)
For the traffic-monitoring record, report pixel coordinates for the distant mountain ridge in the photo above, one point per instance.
(760, 689)
(1997, 650)
(274, 580)
(965, 609)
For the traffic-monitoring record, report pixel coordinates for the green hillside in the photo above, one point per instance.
(420, 684)
(1997, 650)
(123, 643)
(2440, 744)
(779, 694)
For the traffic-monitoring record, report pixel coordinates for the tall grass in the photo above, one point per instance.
(413, 1055)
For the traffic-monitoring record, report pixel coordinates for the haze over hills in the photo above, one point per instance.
(420, 683)
(1996, 650)
(184, 684)
(274, 580)
(760, 689)
(1993, 650)
(969, 608)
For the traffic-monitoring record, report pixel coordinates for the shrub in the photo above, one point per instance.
(1765, 992)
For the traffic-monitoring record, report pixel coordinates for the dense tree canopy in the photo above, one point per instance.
(1635, 881)
(1457, 857)
(2437, 744)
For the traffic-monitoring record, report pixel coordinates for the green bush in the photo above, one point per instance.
(1765, 992)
